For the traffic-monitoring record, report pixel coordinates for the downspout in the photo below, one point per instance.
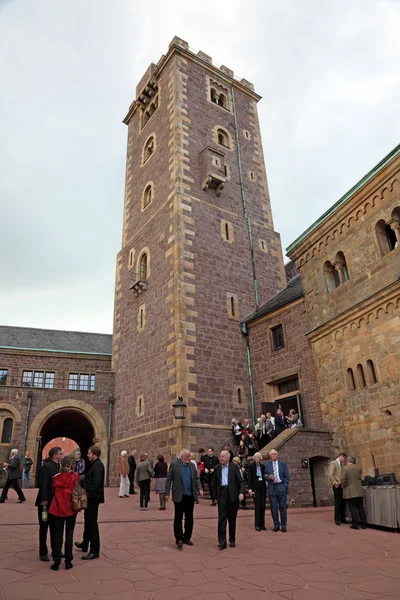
(245, 332)
(28, 414)
(111, 402)
(255, 284)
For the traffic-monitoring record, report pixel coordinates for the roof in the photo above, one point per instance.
(383, 163)
(292, 291)
(51, 340)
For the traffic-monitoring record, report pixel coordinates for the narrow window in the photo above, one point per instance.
(49, 380)
(131, 258)
(361, 376)
(141, 318)
(227, 232)
(38, 379)
(3, 376)
(147, 196)
(371, 372)
(251, 175)
(262, 245)
(6, 435)
(27, 378)
(342, 270)
(148, 149)
(222, 101)
(239, 395)
(385, 236)
(329, 274)
(223, 138)
(232, 306)
(92, 382)
(391, 238)
(143, 267)
(214, 96)
(73, 381)
(278, 341)
(226, 170)
(351, 383)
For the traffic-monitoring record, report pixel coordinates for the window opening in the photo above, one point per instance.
(390, 237)
(351, 382)
(3, 376)
(232, 306)
(291, 385)
(371, 372)
(147, 196)
(278, 340)
(6, 435)
(361, 376)
(227, 231)
(143, 266)
(223, 138)
(239, 393)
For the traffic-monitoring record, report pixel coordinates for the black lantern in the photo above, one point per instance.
(179, 408)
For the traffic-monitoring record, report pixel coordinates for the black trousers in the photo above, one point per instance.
(259, 506)
(44, 527)
(131, 482)
(356, 506)
(91, 535)
(227, 511)
(340, 504)
(12, 483)
(59, 523)
(208, 480)
(144, 492)
(184, 508)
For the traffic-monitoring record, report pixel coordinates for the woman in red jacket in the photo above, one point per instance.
(61, 509)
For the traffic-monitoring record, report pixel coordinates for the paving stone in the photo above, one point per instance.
(175, 593)
(106, 588)
(152, 585)
(26, 591)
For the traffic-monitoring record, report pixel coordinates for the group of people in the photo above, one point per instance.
(266, 428)
(345, 476)
(143, 471)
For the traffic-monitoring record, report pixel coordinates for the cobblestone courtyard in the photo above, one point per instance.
(139, 560)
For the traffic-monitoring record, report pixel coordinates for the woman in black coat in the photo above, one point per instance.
(256, 475)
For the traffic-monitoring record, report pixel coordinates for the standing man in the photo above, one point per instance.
(94, 486)
(186, 487)
(26, 469)
(210, 462)
(45, 495)
(13, 475)
(229, 490)
(132, 470)
(278, 485)
(335, 474)
(280, 421)
(353, 493)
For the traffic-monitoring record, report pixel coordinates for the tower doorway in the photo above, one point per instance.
(320, 482)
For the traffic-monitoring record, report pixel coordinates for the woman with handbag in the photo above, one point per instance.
(61, 508)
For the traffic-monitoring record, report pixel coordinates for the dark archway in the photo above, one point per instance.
(321, 488)
(66, 423)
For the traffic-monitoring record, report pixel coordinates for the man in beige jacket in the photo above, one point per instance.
(335, 474)
(353, 493)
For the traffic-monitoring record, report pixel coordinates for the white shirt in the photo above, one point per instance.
(224, 477)
(276, 472)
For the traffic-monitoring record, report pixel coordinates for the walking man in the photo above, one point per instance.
(229, 490)
(353, 493)
(26, 469)
(186, 488)
(278, 485)
(132, 470)
(210, 462)
(335, 474)
(13, 475)
(45, 495)
(94, 486)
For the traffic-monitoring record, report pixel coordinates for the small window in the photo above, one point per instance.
(131, 258)
(233, 308)
(143, 267)
(214, 96)
(251, 175)
(278, 341)
(147, 196)
(386, 237)
(288, 386)
(341, 268)
(391, 238)
(371, 373)
(27, 378)
(141, 317)
(223, 138)
(246, 134)
(6, 435)
(222, 101)
(82, 382)
(239, 396)
(351, 383)
(361, 376)
(3, 376)
(148, 149)
(227, 231)
(140, 406)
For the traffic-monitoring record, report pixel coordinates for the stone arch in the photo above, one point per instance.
(78, 406)
(15, 413)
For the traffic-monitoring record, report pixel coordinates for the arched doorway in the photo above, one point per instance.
(320, 482)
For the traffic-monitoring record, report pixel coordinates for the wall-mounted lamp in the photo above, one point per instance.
(179, 408)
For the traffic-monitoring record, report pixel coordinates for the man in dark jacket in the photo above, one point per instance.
(210, 462)
(132, 470)
(44, 498)
(280, 422)
(229, 488)
(94, 486)
(13, 475)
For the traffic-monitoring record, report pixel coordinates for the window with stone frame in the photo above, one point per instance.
(84, 382)
(388, 234)
(147, 195)
(360, 376)
(219, 95)
(336, 273)
(38, 379)
(372, 378)
(149, 148)
(277, 337)
(149, 102)
(351, 382)
(7, 431)
(285, 393)
(3, 376)
(223, 138)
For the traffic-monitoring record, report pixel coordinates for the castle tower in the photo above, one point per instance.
(199, 253)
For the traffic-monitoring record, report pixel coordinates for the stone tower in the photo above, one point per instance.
(199, 253)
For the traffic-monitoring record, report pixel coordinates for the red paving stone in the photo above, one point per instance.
(314, 560)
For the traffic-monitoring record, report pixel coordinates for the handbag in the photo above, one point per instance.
(78, 497)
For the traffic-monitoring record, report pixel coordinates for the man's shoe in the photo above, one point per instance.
(21, 500)
(232, 544)
(258, 528)
(68, 565)
(44, 558)
(81, 546)
(338, 522)
(1, 501)
(345, 522)
(188, 542)
(90, 556)
(222, 546)
(263, 528)
(179, 543)
(363, 526)
(354, 527)
(283, 529)
(213, 504)
(55, 566)
(276, 529)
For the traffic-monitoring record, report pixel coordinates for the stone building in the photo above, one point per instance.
(350, 267)
(199, 253)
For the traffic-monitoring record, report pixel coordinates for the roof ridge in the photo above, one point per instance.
(58, 330)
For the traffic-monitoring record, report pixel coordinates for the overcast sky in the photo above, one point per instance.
(328, 73)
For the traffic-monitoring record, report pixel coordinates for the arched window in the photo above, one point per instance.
(351, 383)
(239, 393)
(148, 148)
(331, 277)
(361, 376)
(143, 269)
(227, 231)
(6, 435)
(140, 405)
(371, 372)
(222, 101)
(386, 237)
(232, 306)
(223, 138)
(390, 238)
(214, 96)
(147, 195)
(341, 268)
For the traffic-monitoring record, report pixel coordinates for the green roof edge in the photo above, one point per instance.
(52, 350)
(346, 197)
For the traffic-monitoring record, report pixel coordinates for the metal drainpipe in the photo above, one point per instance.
(245, 332)
(255, 284)
(111, 402)
(28, 414)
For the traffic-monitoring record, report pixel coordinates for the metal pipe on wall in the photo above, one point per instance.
(111, 402)
(28, 414)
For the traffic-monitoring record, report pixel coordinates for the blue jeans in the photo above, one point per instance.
(277, 499)
(26, 475)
